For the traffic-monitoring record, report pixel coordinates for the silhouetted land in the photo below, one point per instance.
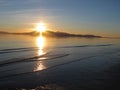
(53, 34)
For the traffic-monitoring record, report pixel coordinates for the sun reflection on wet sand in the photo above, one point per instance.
(39, 66)
(40, 41)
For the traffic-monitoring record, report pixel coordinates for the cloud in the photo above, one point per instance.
(3, 3)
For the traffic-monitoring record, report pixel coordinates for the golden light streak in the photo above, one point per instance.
(40, 44)
(40, 41)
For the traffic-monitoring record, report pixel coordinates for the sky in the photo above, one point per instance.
(99, 17)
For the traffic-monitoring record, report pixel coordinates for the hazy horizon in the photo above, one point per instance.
(98, 17)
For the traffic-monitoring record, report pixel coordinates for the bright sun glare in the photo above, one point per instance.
(40, 27)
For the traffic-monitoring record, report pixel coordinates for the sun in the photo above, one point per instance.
(40, 27)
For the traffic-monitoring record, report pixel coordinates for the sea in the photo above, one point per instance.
(66, 63)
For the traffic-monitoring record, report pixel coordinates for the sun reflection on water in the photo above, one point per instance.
(40, 44)
(40, 41)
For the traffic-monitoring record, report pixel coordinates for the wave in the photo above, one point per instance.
(105, 45)
(29, 72)
(51, 57)
(30, 59)
(15, 60)
(46, 57)
(14, 50)
(101, 45)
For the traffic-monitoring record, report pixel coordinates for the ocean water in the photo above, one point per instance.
(59, 63)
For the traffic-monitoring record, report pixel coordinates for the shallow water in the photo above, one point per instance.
(67, 63)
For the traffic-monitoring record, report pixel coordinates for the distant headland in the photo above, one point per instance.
(56, 34)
